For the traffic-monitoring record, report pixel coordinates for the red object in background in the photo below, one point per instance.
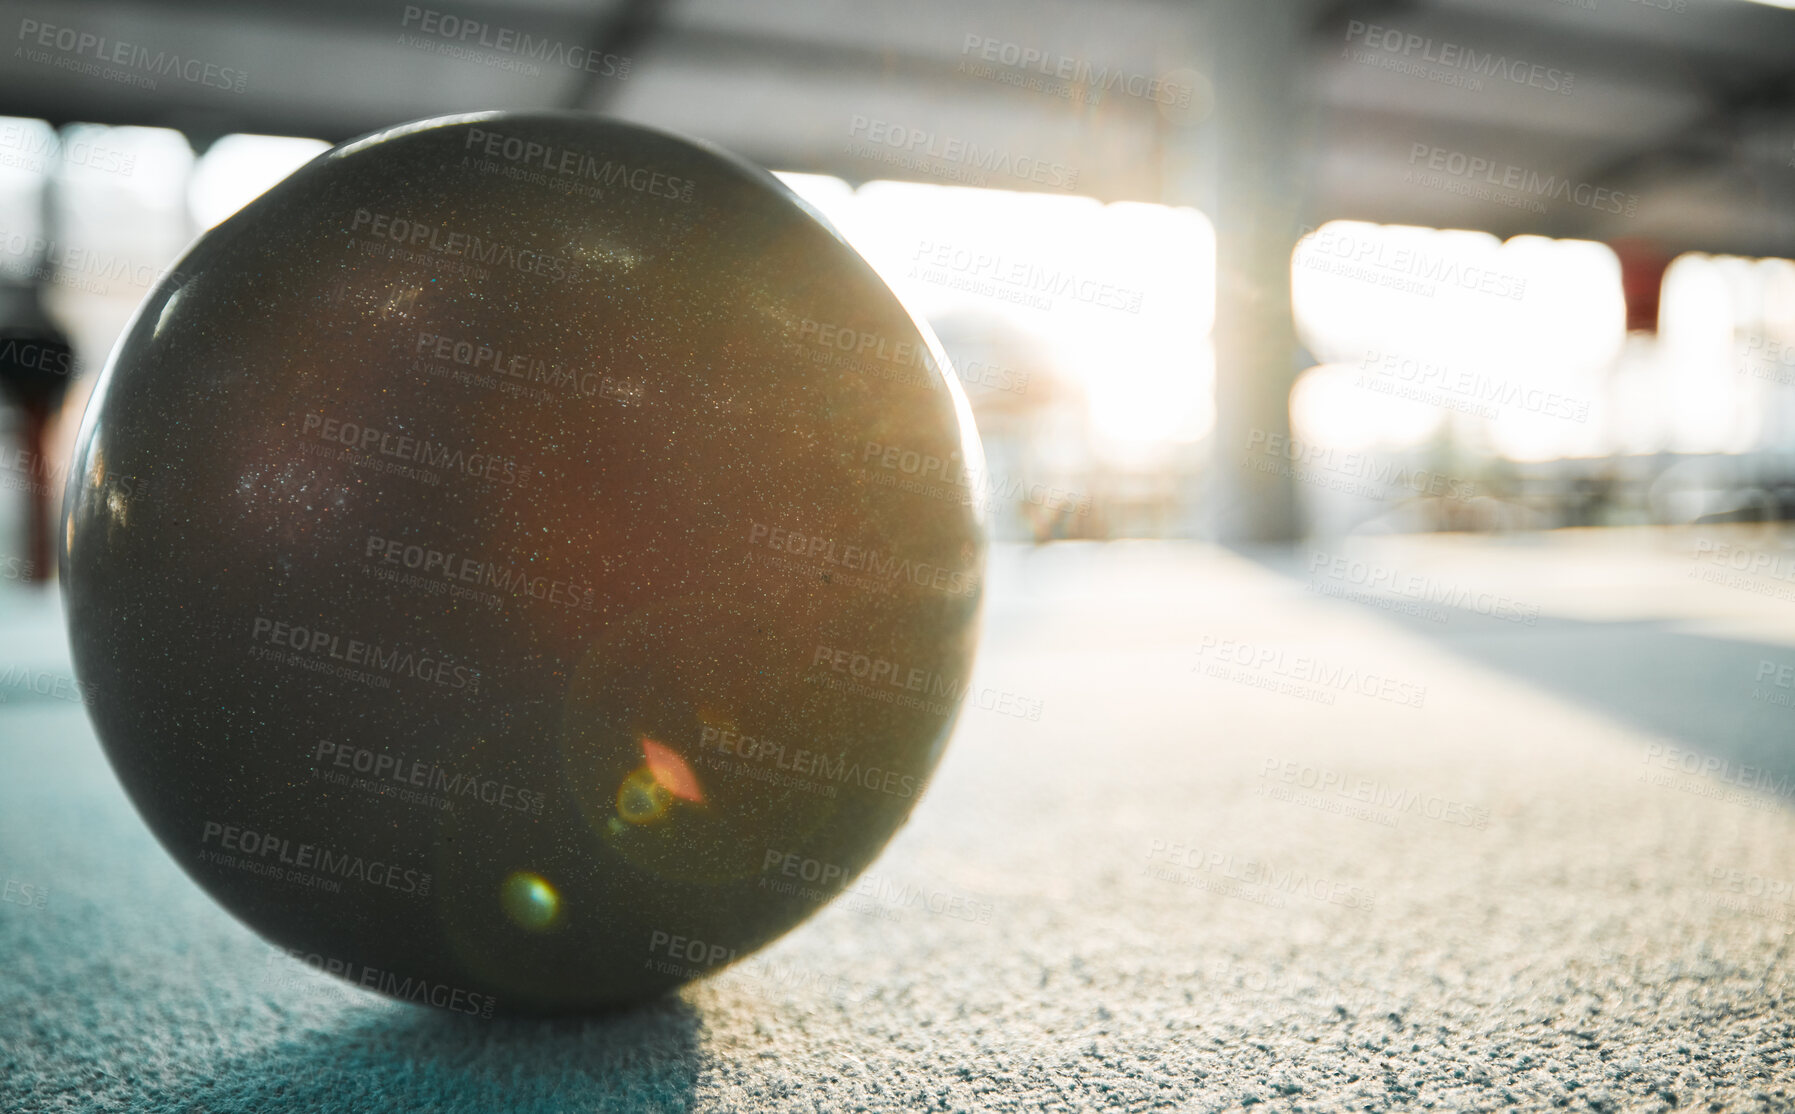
(37, 494)
(1642, 267)
(35, 364)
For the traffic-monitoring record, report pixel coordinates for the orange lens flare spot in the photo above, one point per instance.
(671, 772)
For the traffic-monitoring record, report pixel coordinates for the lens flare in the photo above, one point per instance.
(530, 901)
(672, 772)
(641, 799)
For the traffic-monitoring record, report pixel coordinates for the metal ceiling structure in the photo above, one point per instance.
(1684, 107)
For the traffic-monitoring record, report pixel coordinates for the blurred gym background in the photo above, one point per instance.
(1464, 264)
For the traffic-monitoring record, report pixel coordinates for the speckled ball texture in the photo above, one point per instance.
(524, 562)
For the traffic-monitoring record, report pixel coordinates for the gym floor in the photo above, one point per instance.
(1430, 821)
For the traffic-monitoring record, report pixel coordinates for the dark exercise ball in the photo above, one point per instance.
(524, 562)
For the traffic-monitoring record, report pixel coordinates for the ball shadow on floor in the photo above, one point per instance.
(391, 1057)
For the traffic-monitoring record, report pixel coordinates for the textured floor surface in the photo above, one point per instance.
(1232, 864)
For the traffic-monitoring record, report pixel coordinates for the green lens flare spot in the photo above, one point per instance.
(530, 901)
(641, 799)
